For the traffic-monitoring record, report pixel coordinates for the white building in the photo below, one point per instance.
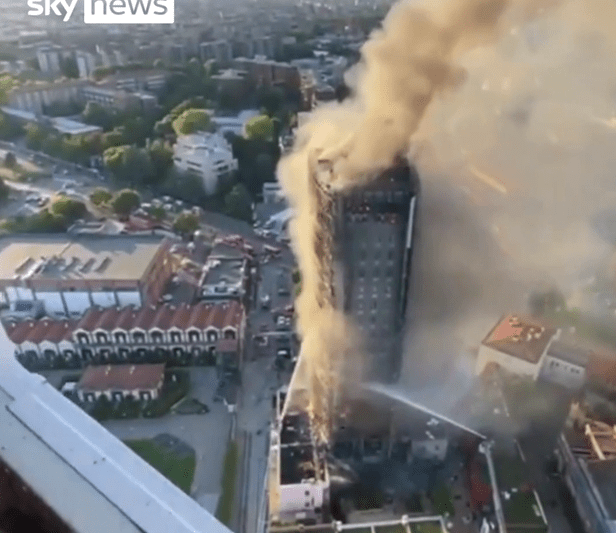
(565, 365)
(206, 155)
(518, 345)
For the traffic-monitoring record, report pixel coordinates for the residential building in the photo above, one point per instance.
(86, 63)
(519, 345)
(234, 124)
(364, 243)
(204, 333)
(565, 365)
(586, 455)
(220, 51)
(50, 59)
(232, 82)
(206, 155)
(63, 472)
(36, 97)
(119, 382)
(263, 72)
(71, 273)
(118, 99)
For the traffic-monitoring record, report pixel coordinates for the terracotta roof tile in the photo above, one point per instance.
(121, 377)
(125, 318)
(521, 337)
(19, 332)
(60, 330)
(38, 333)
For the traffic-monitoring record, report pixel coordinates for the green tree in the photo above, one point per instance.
(100, 196)
(161, 155)
(260, 128)
(68, 208)
(97, 115)
(190, 121)
(186, 223)
(129, 164)
(35, 135)
(10, 160)
(125, 201)
(157, 212)
(238, 203)
(113, 138)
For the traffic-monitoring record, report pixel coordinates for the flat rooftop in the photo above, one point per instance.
(604, 477)
(83, 257)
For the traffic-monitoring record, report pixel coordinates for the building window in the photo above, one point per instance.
(193, 336)
(157, 337)
(229, 334)
(82, 338)
(139, 337)
(101, 338)
(212, 336)
(120, 338)
(176, 337)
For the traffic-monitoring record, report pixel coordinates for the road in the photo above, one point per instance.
(260, 381)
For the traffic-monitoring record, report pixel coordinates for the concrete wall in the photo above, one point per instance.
(563, 373)
(53, 302)
(126, 298)
(298, 501)
(77, 302)
(515, 365)
(104, 299)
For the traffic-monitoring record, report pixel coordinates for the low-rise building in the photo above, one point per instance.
(206, 155)
(586, 455)
(71, 273)
(226, 273)
(119, 382)
(565, 365)
(202, 334)
(517, 344)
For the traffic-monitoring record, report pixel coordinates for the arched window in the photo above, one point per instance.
(176, 337)
(120, 338)
(212, 336)
(157, 337)
(139, 337)
(82, 338)
(229, 334)
(101, 338)
(193, 336)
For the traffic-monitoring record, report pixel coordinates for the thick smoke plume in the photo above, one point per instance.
(469, 86)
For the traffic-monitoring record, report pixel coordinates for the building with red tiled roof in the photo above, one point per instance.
(187, 332)
(518, 344)
(117, 382)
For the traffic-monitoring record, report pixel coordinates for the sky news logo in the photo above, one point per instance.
(107, 11)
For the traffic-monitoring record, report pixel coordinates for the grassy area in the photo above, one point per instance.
(398, 528)
(224, 510)
(172, 392)
(426, 527)
(179, 470)
(441, 501)
(522, 509)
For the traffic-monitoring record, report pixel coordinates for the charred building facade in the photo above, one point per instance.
(365, 242)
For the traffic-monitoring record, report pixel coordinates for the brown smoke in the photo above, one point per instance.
(486, 92)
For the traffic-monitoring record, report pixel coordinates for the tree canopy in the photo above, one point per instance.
(125, 201)
(238, 203)
(69, 208)
(100, 196)
(190, 121)
(186, 223)
(260, 128)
